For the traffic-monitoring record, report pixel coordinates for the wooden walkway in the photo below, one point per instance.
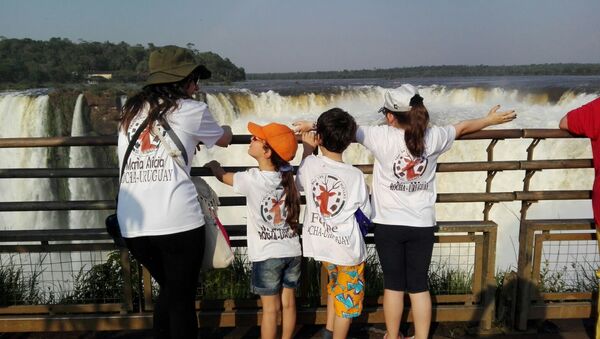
(559, 329)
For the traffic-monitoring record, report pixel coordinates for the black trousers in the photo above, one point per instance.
(405, 254)
(174, 261)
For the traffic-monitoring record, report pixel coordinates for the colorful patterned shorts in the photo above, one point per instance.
(347, 286)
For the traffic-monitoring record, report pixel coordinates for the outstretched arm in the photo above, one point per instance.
(220, 173)
(492, 118)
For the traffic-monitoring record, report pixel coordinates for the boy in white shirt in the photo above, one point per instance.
(334, 192)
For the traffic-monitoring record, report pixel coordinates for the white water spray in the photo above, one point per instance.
(446, 106)
(25, 116)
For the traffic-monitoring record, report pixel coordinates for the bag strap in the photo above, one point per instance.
(174, 137)
(132, 142)
(212, 202)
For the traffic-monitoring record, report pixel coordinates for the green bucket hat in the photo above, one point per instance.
(171, 64)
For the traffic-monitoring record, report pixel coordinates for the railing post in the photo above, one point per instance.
(489, 295)
(323, 288)
(127, 291)
(489, 178)
(147, 278)
(524, 260)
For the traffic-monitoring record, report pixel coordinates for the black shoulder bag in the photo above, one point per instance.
(112, 223)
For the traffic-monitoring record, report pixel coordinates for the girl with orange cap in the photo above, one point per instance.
(273, 209)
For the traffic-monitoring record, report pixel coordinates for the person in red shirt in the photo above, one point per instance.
(585, 121)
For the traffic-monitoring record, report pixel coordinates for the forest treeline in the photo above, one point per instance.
(438, 71)
(59, 60)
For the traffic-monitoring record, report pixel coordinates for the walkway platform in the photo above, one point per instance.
(559, 329)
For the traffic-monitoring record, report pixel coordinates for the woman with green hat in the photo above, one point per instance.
(158, 212)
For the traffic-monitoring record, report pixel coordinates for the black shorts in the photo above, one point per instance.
(405, 254)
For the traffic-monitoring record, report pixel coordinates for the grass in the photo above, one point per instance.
(580, 278)
(232, 282)
(447, 280)
(17, 288)
(103, 282)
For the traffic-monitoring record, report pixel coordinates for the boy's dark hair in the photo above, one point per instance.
(337, 129)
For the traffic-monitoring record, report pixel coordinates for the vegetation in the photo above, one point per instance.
(232, 282)
(28, 63)
(580, 278)
(102, 283)
(447, 280)
(439, 71)
(15, 287)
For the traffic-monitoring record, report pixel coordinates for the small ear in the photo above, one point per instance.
(318, 139)
(390, 118)
(268, 153)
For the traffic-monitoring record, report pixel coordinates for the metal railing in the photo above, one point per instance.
(474, 302)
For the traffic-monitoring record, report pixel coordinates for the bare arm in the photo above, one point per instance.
(564, 123)
(220, 173)
(225, 139)
(492, 118)
(302, 126)
(309, 142)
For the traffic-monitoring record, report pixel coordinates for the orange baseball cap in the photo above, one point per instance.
(280, 138)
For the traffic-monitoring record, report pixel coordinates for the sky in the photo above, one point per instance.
(321, 35)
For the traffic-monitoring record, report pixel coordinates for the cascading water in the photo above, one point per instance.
(446, 106)
(84, 188)
(26, 114)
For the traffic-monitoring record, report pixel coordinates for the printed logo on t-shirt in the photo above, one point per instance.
(272, 208)
(329, 195)
(147, 143)
(409, 168)
(145, 164)
(274, 213)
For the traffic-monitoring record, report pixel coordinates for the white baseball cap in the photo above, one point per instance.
(398, 99)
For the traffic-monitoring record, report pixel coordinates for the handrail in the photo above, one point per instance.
(108, 140)
(111, 140)
(545, 133)
(467, 166)
(233, 230)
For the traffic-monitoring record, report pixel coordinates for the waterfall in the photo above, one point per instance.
(84, 188)
(24, 115)
(446, 106)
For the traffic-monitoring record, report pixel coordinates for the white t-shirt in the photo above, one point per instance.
(156, 196)
(334, 191)
(269, 236)
(404, 190)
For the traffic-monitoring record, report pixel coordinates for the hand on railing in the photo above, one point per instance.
(492, 118)
(496, 118)
(302, 126)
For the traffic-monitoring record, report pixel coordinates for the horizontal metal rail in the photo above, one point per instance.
(473, 166)
(244, 139)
